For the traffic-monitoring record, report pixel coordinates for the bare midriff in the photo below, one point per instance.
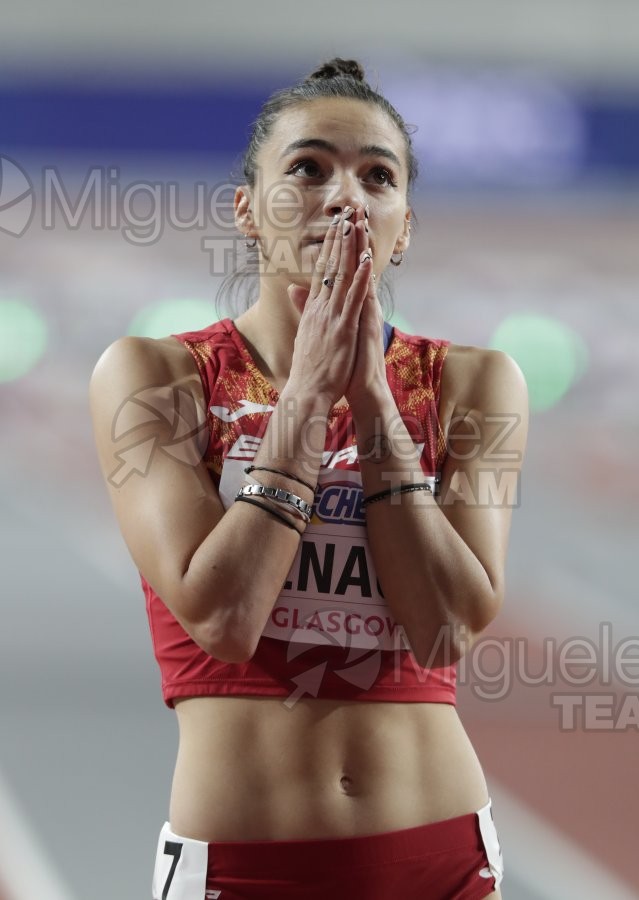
(250, 768)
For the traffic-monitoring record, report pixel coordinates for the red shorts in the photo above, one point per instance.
(455, 859)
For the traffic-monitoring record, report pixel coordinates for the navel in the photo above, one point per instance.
(346, 784)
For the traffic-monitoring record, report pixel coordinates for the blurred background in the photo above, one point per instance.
(527, 131)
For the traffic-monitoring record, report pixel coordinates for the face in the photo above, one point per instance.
(322, 156)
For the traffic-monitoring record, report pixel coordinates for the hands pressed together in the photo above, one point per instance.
(339, 344)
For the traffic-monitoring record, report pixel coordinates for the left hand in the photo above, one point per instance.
(369, 373)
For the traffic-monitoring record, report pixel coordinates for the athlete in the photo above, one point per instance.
(318, 508)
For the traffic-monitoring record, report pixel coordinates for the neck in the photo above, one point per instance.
(269, 327)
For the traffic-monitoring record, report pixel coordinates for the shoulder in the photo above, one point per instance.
(486, 413)
(478, 378)
(131, 364)
(159, 355)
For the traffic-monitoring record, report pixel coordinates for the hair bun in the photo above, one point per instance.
(337, 67)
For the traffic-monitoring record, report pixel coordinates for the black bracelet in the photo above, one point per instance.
(402, 489)
(249, 469)
(272, 512)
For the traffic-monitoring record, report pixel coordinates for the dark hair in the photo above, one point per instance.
(336, 78)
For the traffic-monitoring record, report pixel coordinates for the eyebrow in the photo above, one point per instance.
(320, 144)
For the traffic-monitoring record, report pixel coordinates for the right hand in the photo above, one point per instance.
(326, 342)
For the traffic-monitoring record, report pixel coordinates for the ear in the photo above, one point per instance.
(402, 242)
(243, 212)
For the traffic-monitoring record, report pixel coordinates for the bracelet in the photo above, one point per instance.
(250, 469)
(279, 495)
(305, 516)
(402, 489)
(267, 509)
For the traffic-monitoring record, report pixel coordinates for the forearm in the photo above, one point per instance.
(433, 583)
(237, 572)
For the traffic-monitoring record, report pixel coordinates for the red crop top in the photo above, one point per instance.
(330, 633)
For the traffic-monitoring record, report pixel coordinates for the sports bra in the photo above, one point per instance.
(330, 633)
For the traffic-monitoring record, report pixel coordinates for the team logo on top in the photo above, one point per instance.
(246, 408)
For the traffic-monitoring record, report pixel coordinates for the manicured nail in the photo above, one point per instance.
(348, 212)
(347, 227)
(366, 211)
(365, 227)
(366, 254)
(336, 218)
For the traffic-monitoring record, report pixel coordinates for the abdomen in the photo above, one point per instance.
(248, 768)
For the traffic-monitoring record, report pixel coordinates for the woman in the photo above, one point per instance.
(309, 589)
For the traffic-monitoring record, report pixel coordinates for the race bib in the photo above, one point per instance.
(491, 843)
(180, 868)
(331, 595)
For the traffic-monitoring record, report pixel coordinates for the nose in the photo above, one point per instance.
(342, 192)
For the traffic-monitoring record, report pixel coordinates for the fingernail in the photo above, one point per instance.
(348, 212)
(335, 219)
(366, 254)
(366, 211)
(347, 227)
(365, 227)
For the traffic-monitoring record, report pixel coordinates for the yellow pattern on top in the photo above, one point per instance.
(418, 377)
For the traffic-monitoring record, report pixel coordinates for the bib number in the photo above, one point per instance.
(171, 848)
(181, 866)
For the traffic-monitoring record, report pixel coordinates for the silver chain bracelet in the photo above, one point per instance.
(278, 495)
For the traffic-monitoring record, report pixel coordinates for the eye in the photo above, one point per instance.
(305, 168)
(383, 176)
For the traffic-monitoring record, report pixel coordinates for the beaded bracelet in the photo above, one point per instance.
(290, 475)
(390, 492)
(271, 512)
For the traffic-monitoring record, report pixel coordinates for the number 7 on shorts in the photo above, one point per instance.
(171, 848)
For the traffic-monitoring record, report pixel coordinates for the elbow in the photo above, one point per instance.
(226, 649)
(226, 642)
(437, 649)
(224, 632)
(226, 636)
(440, 652)
(453, 639)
